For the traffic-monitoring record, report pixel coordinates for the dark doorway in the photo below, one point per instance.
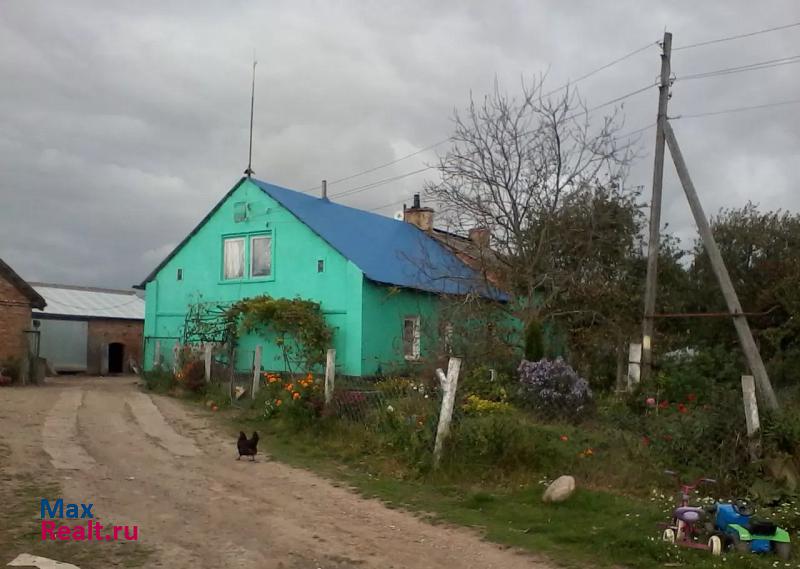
(116, 357)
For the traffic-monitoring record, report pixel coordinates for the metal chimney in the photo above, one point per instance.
(324, 189)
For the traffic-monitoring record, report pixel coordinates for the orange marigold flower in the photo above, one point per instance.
(278, 402)
(295, 395)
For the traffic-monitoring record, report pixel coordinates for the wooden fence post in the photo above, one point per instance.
(256, 370)
(176, 350)
(330, 375)
(207, 348)
(157, 355)
(634, 365)
(751, 416)
(449, 385)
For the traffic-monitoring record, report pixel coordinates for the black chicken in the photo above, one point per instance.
(247, 447)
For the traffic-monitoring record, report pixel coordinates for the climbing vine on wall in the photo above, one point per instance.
(298, 325)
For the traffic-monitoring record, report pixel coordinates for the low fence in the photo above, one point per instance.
(367, 403)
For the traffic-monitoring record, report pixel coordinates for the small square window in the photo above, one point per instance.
(260, 256)
(233, 258)
(239, 212)
(411, 337)
(320, 266)
(180, 274)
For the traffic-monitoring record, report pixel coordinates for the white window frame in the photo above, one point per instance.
(268, 237)
(415, 343)
(225, 241)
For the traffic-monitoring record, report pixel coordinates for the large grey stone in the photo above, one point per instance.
(559, 490)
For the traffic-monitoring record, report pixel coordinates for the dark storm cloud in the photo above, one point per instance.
(122, 123)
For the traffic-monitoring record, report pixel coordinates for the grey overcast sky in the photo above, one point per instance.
(122, 123)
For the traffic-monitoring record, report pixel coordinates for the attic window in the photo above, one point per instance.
(239, 212)
(320, 266)
(179, 276)
(233, 258)
(260, 256)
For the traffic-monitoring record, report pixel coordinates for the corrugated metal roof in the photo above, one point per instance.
(64, 300)
(386, 250)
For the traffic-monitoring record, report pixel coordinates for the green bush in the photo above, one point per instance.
(159, 380)
(534, 342)
(504, 441)
(478, 381)
(697, 375)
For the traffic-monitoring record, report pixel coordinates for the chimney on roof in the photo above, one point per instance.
(324, 189)
(480, 236)
(420, 216)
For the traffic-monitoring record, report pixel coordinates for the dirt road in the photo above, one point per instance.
(156, 463)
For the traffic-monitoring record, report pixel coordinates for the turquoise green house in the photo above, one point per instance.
(379, 281)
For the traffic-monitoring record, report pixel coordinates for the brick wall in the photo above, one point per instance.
(126, 332)
(15, 317)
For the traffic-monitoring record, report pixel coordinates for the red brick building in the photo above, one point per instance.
(17, 298)
(90, 330)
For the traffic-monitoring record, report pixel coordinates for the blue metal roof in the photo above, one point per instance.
(386, 250)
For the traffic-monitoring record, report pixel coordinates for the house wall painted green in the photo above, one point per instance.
(367, 317)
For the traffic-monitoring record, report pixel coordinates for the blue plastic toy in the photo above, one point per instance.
(745, 534)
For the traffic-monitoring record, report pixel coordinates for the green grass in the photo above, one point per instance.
(594, 528)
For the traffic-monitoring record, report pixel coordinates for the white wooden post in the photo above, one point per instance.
(751, 415)
(449, 385)
(207, 349)
(634, 365)
(330, 375)
(256, 370)
(176, 350)
(157, 355)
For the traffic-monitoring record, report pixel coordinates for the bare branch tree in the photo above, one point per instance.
(513, 165)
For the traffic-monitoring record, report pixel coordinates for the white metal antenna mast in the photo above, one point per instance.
(249, 172)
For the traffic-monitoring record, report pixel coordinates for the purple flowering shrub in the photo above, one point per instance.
(553, 389)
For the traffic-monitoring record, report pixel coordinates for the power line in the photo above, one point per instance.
(612, 101)
(440, 142)
(378, 183)
(395, 161)
(602, 68)
(736, 37)
(739, 109)
(618, 137)
(742, 68)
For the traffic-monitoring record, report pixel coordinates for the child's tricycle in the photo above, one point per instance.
(687, 527)
(745, 534)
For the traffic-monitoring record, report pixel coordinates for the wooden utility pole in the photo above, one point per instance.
(655, 210)
(746, 340)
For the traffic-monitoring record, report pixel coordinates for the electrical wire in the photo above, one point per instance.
(365, 187)
(736, 37)
(611, 102)
(443, 141)
(618, 137)
(603, 68)
(738, 109)
(742, 68)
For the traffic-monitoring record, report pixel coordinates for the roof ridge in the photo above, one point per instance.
(23, 286)
(120, 291)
